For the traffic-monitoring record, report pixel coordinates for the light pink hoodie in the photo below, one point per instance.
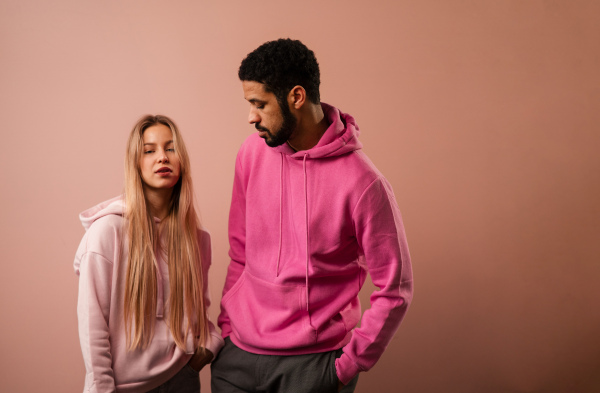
(304, 229)
(101, 267)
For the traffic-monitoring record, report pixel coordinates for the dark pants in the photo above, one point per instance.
(185, 381)
(235, 370)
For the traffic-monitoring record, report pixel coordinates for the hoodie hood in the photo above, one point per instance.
(341, 137)
(115, 206)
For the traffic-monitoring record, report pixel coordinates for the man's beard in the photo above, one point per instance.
(285, 131)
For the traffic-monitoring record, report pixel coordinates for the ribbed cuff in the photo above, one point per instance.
(346, 369)
(215, 343)
(225, 330)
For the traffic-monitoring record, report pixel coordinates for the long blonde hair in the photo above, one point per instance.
(180, 245)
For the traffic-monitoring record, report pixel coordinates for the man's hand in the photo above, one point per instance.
(200, 359)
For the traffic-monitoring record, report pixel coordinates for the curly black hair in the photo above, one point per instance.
(280, 65)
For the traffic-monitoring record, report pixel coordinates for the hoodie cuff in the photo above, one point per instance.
(225, 330)
(346, 369)
(215, 344)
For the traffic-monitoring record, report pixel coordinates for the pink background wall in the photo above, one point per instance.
(484, 116)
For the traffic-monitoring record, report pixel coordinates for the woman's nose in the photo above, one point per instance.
(163, 157)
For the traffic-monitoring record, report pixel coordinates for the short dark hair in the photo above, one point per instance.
(280, 65)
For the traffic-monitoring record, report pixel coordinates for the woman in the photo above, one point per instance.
(143, 268)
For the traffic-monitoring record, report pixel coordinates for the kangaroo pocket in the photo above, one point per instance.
(268, 316)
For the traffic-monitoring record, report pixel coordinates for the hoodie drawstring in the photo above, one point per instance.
(280, 214)
(306, 218)
(159, 292)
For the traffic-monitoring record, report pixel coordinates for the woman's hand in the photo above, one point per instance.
(201, 358)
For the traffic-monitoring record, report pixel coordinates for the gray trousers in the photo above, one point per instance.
(235, 370)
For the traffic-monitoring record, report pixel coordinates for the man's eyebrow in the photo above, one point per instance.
(256, 101)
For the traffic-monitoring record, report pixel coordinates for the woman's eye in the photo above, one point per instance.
(171, 149)
(149, 151)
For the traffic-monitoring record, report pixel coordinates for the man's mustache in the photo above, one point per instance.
(261, 128)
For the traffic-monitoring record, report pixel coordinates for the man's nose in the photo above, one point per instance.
(253, 117)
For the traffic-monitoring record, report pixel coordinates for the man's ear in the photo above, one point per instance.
(297, 97)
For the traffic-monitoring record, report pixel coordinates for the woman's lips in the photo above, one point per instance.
(164, 171)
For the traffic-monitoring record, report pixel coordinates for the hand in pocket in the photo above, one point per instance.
(200, 359)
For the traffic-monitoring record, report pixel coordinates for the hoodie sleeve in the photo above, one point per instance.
(93, 307)
(380, 234)
(214, 342)
(237, 240)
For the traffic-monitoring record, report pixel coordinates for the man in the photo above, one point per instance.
(310, 215)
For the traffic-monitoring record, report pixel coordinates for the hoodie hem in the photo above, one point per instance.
(319, 347)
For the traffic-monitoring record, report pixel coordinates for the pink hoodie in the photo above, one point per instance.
(101, 267)
(304, 229)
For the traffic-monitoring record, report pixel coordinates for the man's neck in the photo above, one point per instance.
(312, 124)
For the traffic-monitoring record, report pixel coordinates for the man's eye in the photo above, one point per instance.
(260, 106)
